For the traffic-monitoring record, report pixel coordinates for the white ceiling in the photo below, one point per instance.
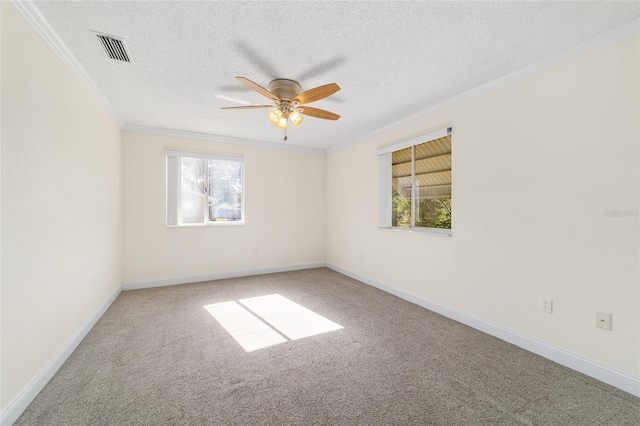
(391, 59)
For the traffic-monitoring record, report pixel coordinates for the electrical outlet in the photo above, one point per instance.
(546, 304)
(603, 320)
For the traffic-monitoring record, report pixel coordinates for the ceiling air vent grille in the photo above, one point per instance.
(114, 47)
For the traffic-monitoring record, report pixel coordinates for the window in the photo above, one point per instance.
(415, 183)
(204, 189)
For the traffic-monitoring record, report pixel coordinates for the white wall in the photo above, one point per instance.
(535, 166)
(60, 205)
(284, 213)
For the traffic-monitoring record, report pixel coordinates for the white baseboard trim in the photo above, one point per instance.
(24, 398)
(600, 372)
(162, 282)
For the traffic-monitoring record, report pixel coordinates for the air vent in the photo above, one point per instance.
(114, 47)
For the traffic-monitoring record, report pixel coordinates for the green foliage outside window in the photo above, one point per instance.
(400, 211)
(431, 213)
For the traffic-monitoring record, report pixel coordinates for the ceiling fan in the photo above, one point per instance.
(288, 102)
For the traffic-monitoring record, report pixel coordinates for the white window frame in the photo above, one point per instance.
(174, 187)
(384, 181)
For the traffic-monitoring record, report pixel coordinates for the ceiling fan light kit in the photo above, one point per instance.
(295, 118)
(288, 101)
(275, 116)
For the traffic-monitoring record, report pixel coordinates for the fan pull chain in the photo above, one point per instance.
(285, 132)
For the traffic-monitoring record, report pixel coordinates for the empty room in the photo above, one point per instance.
(320, 213)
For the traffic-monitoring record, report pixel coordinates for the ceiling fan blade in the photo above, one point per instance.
(318, 113)
(249, 107)
(317, 93)
(264, 92)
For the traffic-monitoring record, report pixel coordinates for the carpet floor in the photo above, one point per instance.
(159, 357)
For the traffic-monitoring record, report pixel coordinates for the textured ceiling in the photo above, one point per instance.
(390, 58)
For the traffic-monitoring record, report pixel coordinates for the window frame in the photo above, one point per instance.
(385, 190)
(172, 199)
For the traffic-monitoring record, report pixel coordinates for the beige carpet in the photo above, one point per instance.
(158, 357)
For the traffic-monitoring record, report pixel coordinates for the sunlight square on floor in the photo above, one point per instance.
(244, 327)
(259, 322)
(291, 319)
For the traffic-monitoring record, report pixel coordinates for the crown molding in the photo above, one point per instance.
(33, 16)
(599, 41)
(602, 40)
(135, 128)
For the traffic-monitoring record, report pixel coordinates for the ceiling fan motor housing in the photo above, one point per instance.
(284, 88)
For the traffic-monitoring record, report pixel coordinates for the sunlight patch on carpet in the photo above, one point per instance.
(244, 327)
(292, 320)
(259, 322)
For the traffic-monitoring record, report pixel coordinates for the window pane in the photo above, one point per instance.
(192, 195)
(225, 190)
(401, 188)
(433, 184)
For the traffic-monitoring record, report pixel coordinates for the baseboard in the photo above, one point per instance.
(162, 282)
(600, 372)
(24, 398)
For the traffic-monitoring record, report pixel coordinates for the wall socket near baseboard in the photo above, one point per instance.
(546, 304)
(603, 320)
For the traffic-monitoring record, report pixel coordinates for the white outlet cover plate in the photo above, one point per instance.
(546, 305)
(603, 320)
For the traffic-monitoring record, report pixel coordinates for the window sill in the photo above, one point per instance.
(439, 231)
(205, 225)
